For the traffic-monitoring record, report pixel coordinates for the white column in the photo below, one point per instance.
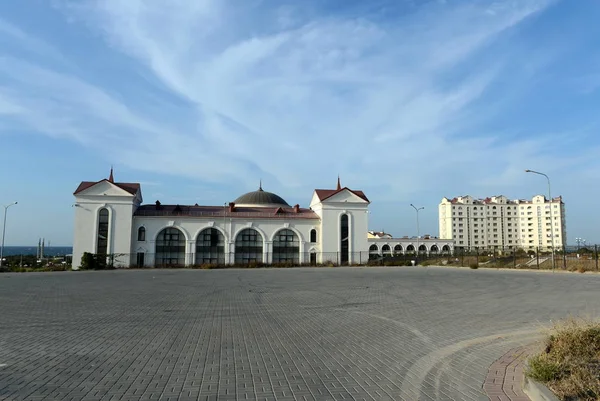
(302, 248)
(268, 252)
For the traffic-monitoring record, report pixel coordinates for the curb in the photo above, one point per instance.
(537, 391)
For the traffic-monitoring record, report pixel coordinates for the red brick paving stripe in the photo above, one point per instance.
(505, 376)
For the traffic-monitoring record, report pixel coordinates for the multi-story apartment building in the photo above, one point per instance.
(499, 222)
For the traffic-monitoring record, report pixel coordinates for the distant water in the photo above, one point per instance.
(32, 250)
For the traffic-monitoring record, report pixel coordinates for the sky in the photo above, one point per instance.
(410, 101)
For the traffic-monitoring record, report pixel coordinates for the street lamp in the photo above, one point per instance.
(4, 231)
(578, 241)
(418, 233)
(551, 217)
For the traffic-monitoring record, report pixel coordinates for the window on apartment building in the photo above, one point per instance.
(460, 230)
(460, 219)
(460, 236)
(476, 242)
(460, 213)
(460, 225)
(495, 230)
(509, 235)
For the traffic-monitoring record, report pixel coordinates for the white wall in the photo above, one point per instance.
(230, 227)
(120, 205)
(330, 211)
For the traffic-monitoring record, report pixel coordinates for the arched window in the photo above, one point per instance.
(170, 248)
(286, 247)
(446, 249)
(313, 235)
(410, 248)
(373, 252)
(344, 239)
(398, 249)
(141, 234)
(210, 246)
(248, 246)
(434, 249)
(102, 237)
(422, 249)
(386, 250)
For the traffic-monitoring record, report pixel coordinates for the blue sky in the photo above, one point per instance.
(409, 101)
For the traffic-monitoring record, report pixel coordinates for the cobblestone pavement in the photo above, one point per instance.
(273, 334)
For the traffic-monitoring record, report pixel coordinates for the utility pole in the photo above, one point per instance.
(4, 231)
(551, 216)
(418, 231)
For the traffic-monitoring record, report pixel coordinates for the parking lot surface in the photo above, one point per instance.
(412, 333)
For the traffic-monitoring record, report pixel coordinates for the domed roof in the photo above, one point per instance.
(261, 198)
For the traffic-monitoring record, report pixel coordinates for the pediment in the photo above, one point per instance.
(346, 196)
(104, 188)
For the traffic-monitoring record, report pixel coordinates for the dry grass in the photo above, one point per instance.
(570, 362)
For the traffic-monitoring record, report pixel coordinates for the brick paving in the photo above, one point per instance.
(504, 381)
(272, 334)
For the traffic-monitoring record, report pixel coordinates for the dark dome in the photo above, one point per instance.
(261, 198)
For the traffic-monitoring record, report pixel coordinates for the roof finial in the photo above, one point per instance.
(260, 185)
(339, 185)
(111, 178)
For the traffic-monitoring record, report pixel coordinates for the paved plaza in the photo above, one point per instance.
(412, 333)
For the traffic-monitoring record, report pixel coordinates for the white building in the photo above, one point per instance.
(258, 226)
(499, 222)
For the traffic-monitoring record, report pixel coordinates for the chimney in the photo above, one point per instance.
(231, 206)
(296, 208)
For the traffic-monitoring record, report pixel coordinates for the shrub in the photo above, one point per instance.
(254, 265)
(542, 369)
(570, 362)
(474, 265)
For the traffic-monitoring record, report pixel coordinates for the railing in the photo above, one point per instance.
(573, 258)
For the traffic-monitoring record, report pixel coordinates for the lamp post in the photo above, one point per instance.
(4, 231)
(418, 233)
(551, 217)
(225, 245)
(578, 241)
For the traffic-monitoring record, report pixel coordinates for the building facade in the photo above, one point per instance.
(498, 222)
(259, 226)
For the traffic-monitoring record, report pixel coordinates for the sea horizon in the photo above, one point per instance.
(32, 250)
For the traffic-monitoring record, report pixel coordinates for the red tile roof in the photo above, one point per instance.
(328, 193)
(131, 187)
(221, 212)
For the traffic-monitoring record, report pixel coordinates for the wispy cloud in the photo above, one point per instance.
(289, 95)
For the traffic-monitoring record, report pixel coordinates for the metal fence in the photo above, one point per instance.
(572, 258)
